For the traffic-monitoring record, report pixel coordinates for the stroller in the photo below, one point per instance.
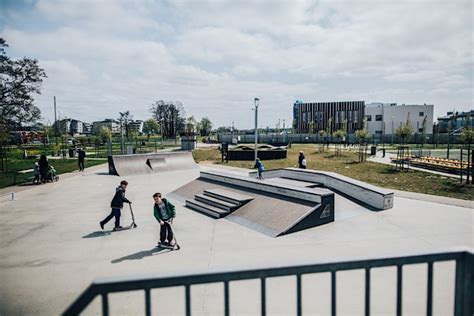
(52, 174)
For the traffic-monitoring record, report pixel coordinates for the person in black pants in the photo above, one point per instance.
(43, 168)
(81, 154)
(301, 160)
(117, 205)
(164, 213)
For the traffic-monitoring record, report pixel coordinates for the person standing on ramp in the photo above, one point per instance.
(164, 213)
(117, 205)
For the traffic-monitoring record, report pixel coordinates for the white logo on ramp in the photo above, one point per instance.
(326, 212)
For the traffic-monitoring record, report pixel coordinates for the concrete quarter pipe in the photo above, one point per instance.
(124, 165)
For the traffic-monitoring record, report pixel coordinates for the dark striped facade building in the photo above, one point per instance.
(317, 116)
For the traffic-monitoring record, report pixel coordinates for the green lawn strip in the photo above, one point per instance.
(62, 166)
(378, 174)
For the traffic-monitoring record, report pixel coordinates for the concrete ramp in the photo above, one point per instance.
(271, 208)
(124, 165)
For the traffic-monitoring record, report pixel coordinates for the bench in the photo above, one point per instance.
(22, 173)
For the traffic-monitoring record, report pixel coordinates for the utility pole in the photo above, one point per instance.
(232, 140)
(55, 123)
(256, 101)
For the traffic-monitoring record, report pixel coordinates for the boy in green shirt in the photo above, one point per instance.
(164, 213)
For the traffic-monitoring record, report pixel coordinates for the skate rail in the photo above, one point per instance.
(464, 278)
(376, 197)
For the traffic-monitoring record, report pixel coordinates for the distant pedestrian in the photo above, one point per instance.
(44, 168)
(117, 205)
(302, 160)
(81, 154)
(260, 168)
(37, 174)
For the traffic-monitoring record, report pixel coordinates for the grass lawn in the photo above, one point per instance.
(62, 166)
(378, 174)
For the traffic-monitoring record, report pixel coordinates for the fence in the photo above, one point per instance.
(463, 303)
(350, 138)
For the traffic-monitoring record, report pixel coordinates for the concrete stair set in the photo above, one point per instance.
(217, 203)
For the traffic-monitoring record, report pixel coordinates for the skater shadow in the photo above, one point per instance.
(98, 233)
(141, 254)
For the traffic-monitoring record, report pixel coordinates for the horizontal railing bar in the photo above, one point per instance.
(189, 279)
(120, 285)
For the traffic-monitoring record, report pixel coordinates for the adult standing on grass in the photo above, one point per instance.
(44, 167)
(81, 154)
(301, 160)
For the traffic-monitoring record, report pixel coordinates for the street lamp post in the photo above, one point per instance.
(392, 130)
(161, 131)
(232, 140)
(256, 101)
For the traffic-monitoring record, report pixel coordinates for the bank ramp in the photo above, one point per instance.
(124, 165)
(271, 208)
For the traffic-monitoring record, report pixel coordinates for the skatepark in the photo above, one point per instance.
(53, 248)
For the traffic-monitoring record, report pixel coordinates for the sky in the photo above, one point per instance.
(107, 56)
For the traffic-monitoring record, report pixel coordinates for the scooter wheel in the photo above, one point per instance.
(135, 226)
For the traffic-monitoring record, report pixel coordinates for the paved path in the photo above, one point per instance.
(52, 248)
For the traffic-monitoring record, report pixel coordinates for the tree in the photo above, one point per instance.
(19, 80)
(362, 135)
(423, 130)
(104, 134)
(190, 126)
(205, 126)
(339, 134)
(170, 115)
(151, 126)
(467, 133)
(404, 131)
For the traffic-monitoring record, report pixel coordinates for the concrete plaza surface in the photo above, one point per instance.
(52, 248)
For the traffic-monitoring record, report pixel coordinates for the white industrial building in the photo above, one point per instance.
(385, 118)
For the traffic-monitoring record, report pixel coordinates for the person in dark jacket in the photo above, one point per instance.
(164, 213)
(117, 205)
(81, 156)
(301, 160)
(44, 167)
(260, 168)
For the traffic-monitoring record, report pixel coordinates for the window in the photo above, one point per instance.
(378, 118)
(421, 114)
(369, 118)
(378, 132)
(420, 130)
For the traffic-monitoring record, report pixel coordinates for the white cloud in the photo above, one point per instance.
(105, 56)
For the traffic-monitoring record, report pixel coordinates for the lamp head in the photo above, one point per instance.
(256, 101)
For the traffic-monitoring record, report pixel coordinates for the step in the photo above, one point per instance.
(229, 207)
(206, 209)
(228, 196)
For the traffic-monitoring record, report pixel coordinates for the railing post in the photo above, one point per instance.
(263, 297)
(429, 294)
(367, 291)
(147, 302)
(188, 299)
(105, 304)
(399, 289)
(299, 306)
(333, 293)
(226, 298)
(463, 290)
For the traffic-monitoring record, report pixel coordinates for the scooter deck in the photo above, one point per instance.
(171, 248)
(133, 225)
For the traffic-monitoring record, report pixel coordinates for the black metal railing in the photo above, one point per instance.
(463, 296)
